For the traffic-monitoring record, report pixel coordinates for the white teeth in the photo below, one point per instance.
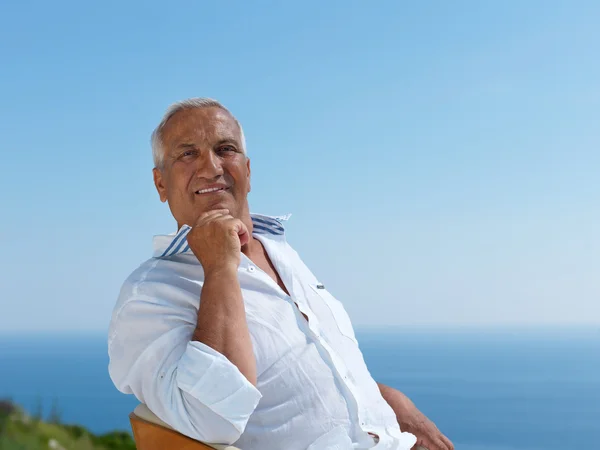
(205, 191)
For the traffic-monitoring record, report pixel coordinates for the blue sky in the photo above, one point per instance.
(440, 158)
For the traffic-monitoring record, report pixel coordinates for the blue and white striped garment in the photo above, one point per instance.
(313, 389)
(261, 225)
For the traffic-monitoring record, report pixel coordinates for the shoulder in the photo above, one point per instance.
(157, 276)
(140, 281)
(158, 285)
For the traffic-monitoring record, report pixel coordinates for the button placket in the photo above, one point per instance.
(340, 368)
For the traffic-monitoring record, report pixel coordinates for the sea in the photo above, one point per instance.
(509, 389)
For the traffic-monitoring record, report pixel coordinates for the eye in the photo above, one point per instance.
(187, 153)
(226, 149)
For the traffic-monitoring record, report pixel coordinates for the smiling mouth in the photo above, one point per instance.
(212, 190)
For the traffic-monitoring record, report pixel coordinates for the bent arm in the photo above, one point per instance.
(222, 321)
(412, 420)
(189, 385)
(399, 402)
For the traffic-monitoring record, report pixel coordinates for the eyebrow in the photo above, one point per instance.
(185, 145)
(231, 141)
(227, 141)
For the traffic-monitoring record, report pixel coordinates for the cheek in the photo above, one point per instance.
(178, 185)
(240, 173)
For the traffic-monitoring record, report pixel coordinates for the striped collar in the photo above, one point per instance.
(166, 246)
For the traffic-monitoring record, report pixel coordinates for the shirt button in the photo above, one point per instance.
(251, 269)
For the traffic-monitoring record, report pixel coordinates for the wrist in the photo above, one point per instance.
(221, 271)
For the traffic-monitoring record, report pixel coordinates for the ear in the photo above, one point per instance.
(248, 174)
(159, 183)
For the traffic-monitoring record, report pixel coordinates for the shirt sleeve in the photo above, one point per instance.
(212, 379)
(190, 386)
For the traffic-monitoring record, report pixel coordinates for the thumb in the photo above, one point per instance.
(242, 232)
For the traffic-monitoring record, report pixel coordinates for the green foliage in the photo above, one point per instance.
(76, 431)
(23, 443)
(116, 440)
(6, 410)
(55, 413)
(18, 431)
(38, 410)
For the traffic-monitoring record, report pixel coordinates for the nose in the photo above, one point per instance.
(209, 165)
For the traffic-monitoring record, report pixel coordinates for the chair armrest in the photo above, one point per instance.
(144, 421)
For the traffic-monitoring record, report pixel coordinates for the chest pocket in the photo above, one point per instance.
(340, 316)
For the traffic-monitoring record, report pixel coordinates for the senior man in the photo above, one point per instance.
(225, 334)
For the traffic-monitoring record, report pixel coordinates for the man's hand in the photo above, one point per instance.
(428, 436)
(216, 239)
(414, 421)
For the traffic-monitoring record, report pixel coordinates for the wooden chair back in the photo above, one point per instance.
(150, 433)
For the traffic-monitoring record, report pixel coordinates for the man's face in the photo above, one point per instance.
(204, 165)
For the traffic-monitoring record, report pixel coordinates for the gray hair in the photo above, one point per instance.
(158, 152)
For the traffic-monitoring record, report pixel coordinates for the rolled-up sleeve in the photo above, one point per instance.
(214, 381)
(190, 386)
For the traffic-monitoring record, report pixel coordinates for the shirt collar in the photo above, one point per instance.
(166, 246)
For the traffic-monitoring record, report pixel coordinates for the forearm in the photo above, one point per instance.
(222, 321)
(412, 420)
(396, 399)
(189, 385)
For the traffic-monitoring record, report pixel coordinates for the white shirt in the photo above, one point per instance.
(313, 389)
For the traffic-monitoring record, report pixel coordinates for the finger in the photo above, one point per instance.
(212, 212)
(238, 226)
(244, 237)
(221, 218)
(430, 444)
(447, 441)
(210, 216)
(242, 232)
(438, 444)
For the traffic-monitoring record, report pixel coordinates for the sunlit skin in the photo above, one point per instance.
(205, 178)
(203, 150)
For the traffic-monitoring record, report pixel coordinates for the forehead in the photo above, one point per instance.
(200, 125)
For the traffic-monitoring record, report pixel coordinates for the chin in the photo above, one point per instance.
(222, 203)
